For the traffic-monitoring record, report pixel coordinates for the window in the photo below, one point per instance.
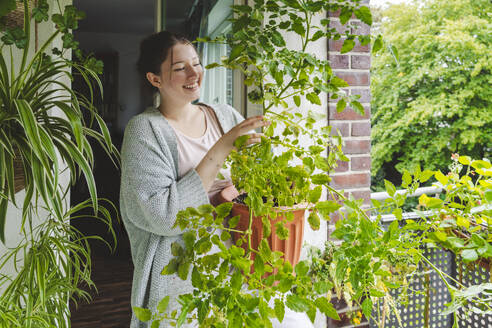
(218, 81)
(220, 85)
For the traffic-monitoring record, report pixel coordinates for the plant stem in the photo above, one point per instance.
(304, 41)
(450, 288)
(383, 319)
(249, 229)
(27, 30)
(427, 298)
(229, 229)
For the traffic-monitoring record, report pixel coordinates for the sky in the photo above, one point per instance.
(384, 2)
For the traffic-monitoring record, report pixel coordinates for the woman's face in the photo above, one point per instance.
(181, 74)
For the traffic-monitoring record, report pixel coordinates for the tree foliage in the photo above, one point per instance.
(431, 85)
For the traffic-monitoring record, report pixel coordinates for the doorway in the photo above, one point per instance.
(112, 31)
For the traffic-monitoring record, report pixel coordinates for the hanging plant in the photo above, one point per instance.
(46, 127)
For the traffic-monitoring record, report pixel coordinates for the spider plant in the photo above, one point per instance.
(30, 95)
(47, 126)
(55, 268)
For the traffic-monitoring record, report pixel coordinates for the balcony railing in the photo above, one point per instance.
(381, 196)
(429, 284)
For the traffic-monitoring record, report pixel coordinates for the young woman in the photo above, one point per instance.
(171, 156)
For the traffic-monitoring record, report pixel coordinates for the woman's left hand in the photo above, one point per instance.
(243, 128)
(213, 160)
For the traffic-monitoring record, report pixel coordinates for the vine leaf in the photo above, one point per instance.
(341, 105)
(367, 307)
(297, 303)
(162, 306)
(279, 309)
(348, 45)
(324, 305)
(358, 108)
(364, 14)
(378, 44)
(143, 315)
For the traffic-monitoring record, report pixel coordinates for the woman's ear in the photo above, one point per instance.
(154, 79)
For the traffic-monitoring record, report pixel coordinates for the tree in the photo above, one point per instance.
(431, 85)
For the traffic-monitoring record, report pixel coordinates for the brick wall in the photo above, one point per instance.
(353, 177)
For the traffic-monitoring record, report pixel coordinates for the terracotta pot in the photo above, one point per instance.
(290, 247)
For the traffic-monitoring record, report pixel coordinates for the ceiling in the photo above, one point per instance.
(130, 16)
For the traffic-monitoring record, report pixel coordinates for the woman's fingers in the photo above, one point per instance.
(247, 128)
(254, 138)
(252, 123)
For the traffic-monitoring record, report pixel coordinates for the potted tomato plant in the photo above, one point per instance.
(277, 176)
(282, 177)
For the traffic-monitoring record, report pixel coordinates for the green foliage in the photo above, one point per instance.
(226, 291)
(30, 134)
(279, 77)
(142, 314)
(46, 126)
(369, 261)
(461, 221)
(282, 72)
(471, 295)
(56, 264)
(241, 286)
(432, 96)
(6, 7)
(362, 267)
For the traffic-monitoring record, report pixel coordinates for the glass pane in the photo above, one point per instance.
(218, 81)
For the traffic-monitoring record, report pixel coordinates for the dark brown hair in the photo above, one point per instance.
(154, 49)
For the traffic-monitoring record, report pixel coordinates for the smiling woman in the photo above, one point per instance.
(180, 76)
(171, 156)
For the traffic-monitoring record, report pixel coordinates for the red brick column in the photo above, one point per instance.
(355, 176)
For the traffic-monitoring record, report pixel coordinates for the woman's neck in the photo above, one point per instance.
(177, 111)
(187, 118)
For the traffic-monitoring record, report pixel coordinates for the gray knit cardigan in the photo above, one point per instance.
(151, 196)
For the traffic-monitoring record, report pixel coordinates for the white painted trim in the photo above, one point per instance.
(158, 15)
(420, 191)
(219, 13)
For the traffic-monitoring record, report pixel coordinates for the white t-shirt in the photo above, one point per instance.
(192, 150)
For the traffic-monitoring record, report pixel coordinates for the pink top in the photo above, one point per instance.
(192, 150)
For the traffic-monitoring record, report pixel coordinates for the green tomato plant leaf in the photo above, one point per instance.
(142, 314)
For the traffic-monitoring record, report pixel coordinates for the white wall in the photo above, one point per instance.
(127, 46)
(320, 50)
(13, 235)
(313, 238)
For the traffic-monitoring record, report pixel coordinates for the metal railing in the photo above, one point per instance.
(448, 263)
(420, 191)
(381, 196)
